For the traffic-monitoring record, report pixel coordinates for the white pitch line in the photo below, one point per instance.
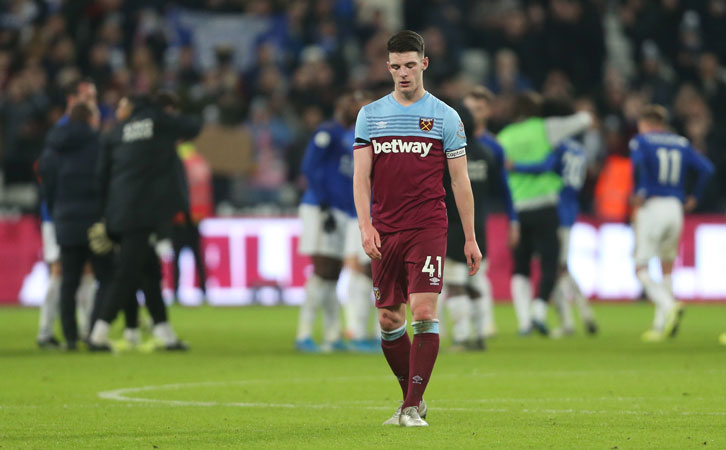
(121, 395)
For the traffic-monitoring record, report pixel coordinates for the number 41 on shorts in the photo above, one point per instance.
(428, 267)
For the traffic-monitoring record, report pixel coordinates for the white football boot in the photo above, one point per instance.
(394, 420)
(411, 418)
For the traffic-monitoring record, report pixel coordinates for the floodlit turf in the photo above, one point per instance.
(242, 385)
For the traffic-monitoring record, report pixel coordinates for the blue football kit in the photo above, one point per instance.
(568, 160)
(328, 168)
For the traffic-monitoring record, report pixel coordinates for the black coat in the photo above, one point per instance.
(139, 170)
(68, 171)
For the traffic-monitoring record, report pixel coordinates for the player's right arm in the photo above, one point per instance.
(362, 164)
(560, 128)
(639, 178)
(312, 162)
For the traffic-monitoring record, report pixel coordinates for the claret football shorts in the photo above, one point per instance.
(412, 261)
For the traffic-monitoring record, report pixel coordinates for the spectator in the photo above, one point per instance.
(303, 54)
(506, 78)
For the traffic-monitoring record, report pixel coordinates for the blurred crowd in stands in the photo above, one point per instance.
(271, 71)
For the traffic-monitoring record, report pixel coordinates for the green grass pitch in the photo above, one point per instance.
(242, 386)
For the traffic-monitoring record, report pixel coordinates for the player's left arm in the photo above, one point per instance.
(454, 146)
(48, 174)
(461, 187)
(705, 170)
(506, 193)
(103, 172)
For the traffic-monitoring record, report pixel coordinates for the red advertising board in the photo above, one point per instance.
(255, 260)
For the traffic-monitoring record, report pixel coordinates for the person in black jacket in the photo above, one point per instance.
(140, 191)
(68, 168)
(466, 295)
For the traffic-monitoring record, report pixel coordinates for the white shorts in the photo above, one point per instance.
(457, 273)
(354, 243)
(658, 228)
(51, 250)
(564, 234)
(314, 240)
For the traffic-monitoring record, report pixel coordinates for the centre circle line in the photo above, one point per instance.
(122, 395)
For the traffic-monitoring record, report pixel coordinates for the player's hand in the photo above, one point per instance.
(372, 242)
(95, 115)
(690, 204)
(637, 200)
(509, 165)
(513, 237)
(473, 256)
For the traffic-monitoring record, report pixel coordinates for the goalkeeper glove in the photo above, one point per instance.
(98, 240)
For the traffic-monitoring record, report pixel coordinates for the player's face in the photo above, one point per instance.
(87, 93)
(407, 71)
(123, 110)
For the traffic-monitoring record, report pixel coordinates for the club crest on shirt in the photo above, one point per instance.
(377, 294)
(426, 124)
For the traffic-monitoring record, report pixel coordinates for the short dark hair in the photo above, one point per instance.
(80, 112)
(527, 104)
(654, 113)
(554, 107)
(406, 41)
(481, 93)
(166, 99)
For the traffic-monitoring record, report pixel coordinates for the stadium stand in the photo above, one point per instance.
(275, 82)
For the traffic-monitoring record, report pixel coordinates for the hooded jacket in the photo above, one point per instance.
(139, 170)
(68, 171)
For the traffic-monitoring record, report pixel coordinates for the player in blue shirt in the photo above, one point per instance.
(569, 161)
(326, 208)
(661, 160)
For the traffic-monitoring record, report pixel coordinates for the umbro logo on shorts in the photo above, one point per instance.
(401, 146)
(417, 379)
(434, 281)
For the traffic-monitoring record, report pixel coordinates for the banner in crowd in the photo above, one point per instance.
(208, 32)
(251, 260)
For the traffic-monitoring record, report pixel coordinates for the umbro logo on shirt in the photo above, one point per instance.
(381, 124)
(401, 146)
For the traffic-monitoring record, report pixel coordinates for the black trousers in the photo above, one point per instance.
(73, 259)
(187, 235)
(538, 235)
(137, 267)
